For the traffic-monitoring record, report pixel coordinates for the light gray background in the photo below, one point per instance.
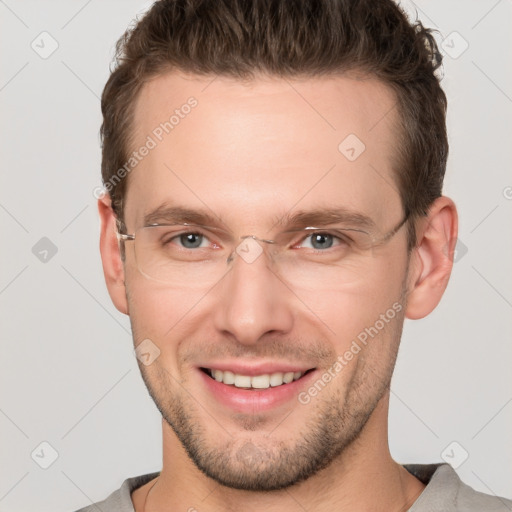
(68, 374)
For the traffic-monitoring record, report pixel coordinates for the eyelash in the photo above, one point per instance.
(336, 237)
(340, 239)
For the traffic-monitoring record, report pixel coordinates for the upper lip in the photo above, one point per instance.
(252, 369)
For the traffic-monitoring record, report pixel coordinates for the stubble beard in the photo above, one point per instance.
(257, 462)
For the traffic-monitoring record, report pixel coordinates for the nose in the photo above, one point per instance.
(252, 300)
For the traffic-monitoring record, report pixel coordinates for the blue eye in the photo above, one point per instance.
(191, 240)
(321, 240)
(184, 240)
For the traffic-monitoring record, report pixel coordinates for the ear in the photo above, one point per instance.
(113, 268)
(432, 258)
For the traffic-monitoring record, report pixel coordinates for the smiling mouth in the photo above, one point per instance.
(263, 381)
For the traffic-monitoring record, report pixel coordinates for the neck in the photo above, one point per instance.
(363, 478)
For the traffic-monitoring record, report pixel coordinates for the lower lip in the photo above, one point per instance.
(255, 400)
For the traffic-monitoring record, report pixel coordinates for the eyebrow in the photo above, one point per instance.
(180, 215)
(167, 214)
(324, 216)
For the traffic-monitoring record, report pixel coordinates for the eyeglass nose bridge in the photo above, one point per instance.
(254, 237)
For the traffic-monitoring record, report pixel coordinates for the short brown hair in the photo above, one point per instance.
(288, 38)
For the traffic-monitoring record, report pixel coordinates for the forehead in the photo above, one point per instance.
(247, 151)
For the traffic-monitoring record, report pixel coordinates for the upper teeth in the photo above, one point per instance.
(257, 381)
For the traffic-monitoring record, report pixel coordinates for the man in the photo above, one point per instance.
(273, 212)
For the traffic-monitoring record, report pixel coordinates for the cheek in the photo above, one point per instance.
(155, 310)
(155, 317)
(371, 301)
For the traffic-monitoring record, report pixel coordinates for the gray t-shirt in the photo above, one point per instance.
(444, 492)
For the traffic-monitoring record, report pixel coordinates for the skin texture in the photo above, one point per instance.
(249, 153)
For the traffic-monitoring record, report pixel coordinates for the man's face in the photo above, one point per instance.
(251, 154)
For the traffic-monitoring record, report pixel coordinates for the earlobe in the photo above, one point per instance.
(432, 259)
(113, 268)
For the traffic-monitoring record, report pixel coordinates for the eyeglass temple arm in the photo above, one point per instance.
(395, 230)
(124, 236)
